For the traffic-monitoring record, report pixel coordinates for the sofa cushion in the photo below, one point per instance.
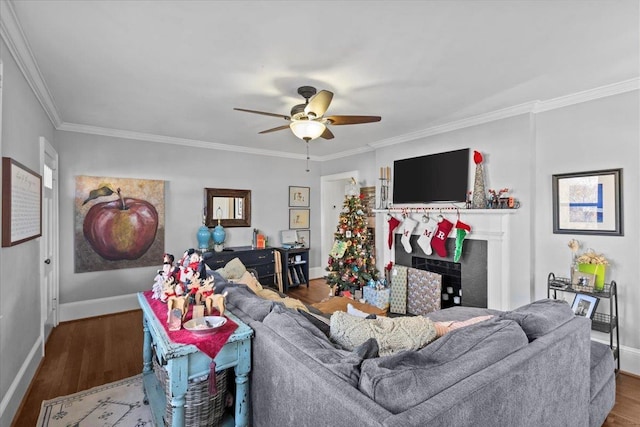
(392, 334)
(299, 332)
(288, 302)
(602, 367)
(403, 380)
(318, 320)
(242, 298)
(541, 317)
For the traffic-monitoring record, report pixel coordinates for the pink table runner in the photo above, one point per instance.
(209, 344)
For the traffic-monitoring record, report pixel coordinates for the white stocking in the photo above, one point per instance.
(407, 228)
(424, 241)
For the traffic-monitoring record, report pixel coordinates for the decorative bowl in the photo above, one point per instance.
(205, 325)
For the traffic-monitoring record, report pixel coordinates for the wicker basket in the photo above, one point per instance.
(201, 407)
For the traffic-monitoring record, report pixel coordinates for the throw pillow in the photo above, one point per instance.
(392, 334)
(251, 282)
(235, 269)
(541, 317)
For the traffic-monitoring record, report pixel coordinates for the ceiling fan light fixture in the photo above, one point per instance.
(307, 129)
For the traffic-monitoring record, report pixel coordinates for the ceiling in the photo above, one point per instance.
(172, 71)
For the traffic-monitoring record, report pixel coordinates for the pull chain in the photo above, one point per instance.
(307, 156)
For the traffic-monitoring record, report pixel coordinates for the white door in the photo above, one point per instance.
(49, 241)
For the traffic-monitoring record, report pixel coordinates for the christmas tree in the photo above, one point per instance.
(352, 262)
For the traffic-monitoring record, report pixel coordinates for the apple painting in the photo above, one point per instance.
(121, 229)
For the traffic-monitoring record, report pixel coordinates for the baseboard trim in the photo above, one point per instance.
(98, 307)
(316, 272)
(11, 402)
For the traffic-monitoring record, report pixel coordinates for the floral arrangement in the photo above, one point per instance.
(590, 257)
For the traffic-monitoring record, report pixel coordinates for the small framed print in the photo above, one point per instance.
(299, 196)
(298, 218)
(584, 305)
(303, 238)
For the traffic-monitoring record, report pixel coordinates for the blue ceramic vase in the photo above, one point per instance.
(203, 236)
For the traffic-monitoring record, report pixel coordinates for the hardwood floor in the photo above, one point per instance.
(90, 352)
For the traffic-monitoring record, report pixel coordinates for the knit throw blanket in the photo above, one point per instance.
(392, 334)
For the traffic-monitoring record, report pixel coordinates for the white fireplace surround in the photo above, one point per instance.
(491, 225)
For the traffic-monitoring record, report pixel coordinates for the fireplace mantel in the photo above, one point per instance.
(492, 225)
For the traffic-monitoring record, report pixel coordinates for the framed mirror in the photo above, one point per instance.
(232, 207)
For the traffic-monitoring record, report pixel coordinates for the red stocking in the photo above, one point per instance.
(393, 223)
(438, 242)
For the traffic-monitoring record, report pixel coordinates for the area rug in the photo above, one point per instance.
(115, 404)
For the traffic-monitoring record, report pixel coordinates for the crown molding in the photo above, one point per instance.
(459, 124)
(589, 95)
(140, 136)
(13, 36)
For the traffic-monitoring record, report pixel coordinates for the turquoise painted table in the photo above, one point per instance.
(185, 362)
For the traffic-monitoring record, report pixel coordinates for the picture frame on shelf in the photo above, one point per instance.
(299, 196)
(585, 305)
(588, 203)
(304, 237)
(298, 218)
(582, 279)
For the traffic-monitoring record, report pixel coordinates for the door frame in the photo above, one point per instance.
(327, 202)
(47, 150)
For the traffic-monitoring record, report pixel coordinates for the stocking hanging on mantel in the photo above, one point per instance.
(479, 200)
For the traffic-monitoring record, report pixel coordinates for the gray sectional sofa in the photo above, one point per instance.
(534, 366)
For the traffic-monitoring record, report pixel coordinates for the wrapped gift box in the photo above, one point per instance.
(379, 298)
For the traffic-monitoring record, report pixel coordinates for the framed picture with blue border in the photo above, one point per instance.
(588, 203)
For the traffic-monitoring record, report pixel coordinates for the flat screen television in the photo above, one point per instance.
(441, 177)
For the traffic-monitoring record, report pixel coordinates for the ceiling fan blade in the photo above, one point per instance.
(352, 120)
(327, 134)
(275, 129)
(264, 113)
(318, 104)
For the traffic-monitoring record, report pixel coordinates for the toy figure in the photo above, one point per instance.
(216, 301)
(204, 291)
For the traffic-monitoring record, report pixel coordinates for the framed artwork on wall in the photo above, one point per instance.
(118, 223)
(588, 203)
(298, 218)
(21, 203)
(299, 196)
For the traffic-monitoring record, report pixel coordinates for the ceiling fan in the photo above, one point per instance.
(307, 121)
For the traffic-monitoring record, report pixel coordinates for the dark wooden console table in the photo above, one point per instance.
(261, 260)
